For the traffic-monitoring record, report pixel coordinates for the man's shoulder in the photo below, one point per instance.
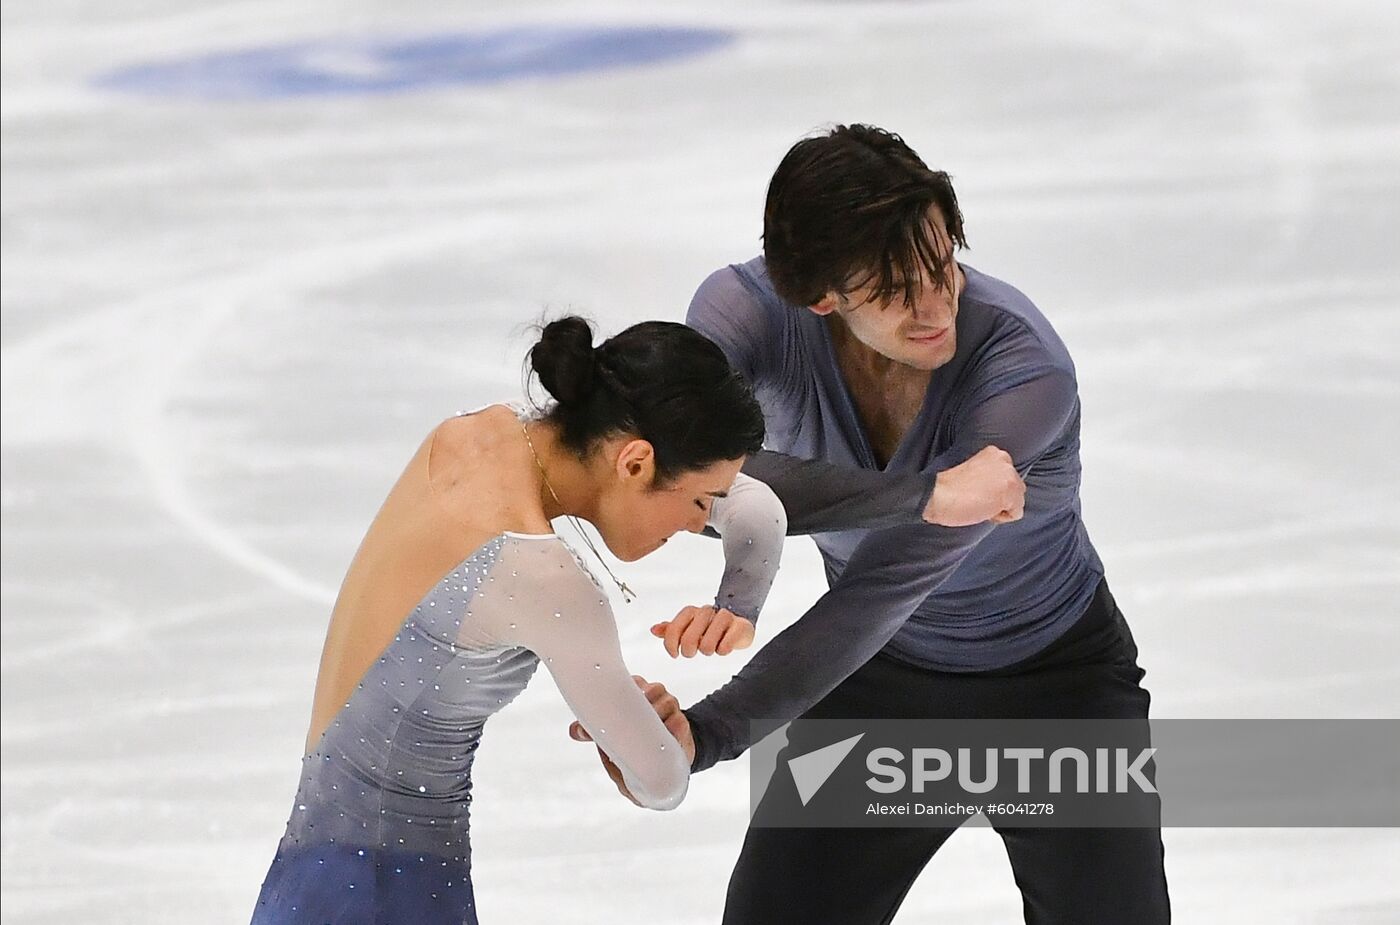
(739, 293)
(748, 280)
(737, 309)
(1007, 316)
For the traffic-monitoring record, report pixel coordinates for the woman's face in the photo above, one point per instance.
(636, 517)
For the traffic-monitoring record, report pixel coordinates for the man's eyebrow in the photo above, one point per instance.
(718, 494)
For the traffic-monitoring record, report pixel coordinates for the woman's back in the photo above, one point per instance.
(461, 488)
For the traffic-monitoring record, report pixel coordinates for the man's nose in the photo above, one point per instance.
(934, 309)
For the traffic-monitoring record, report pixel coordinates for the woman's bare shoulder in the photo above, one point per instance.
(489, 428)
(479, 463)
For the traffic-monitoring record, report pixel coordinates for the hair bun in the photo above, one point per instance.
(564, 360)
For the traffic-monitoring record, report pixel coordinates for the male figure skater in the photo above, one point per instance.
(870, 346)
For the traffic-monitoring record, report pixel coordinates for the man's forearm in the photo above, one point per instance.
(888, 577)
(820, 497)
(957, 490)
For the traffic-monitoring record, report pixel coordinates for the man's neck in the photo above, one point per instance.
(865, 363)
(887, 394)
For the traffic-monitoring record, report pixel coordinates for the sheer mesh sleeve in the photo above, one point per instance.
(541, 597)
(752, 523)
(819, 496)
(751, 334)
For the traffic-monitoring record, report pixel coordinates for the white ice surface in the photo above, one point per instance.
(227, 326)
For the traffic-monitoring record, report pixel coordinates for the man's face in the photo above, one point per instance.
(921, 334)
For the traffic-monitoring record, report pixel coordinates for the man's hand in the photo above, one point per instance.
(615, 773)
(985, 487)
(704, 630)
(668, 710)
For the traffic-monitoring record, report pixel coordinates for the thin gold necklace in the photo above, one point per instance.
(627, 593)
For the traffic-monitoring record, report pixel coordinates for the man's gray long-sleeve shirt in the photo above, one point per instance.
(947, 599)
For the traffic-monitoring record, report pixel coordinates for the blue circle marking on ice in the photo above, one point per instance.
(341, 66)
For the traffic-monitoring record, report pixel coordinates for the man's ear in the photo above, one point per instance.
(826, 306)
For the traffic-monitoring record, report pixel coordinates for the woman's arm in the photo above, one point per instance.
(752, 524)
(543, 599)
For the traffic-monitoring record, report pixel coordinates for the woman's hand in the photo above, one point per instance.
(705, 630)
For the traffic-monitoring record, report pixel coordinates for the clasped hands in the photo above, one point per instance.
(703, 630)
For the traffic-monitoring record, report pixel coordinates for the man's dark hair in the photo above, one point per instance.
(850, 208)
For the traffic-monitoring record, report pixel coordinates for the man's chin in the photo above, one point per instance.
(930, 358)
(925, 363)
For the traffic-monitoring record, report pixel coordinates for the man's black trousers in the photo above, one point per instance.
(1067, 876)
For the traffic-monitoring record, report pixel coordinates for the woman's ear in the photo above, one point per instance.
(636, 460)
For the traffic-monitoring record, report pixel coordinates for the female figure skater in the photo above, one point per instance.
(460, 589)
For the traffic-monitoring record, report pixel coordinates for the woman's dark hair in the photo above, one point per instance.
(850, 208)
(660, 380)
